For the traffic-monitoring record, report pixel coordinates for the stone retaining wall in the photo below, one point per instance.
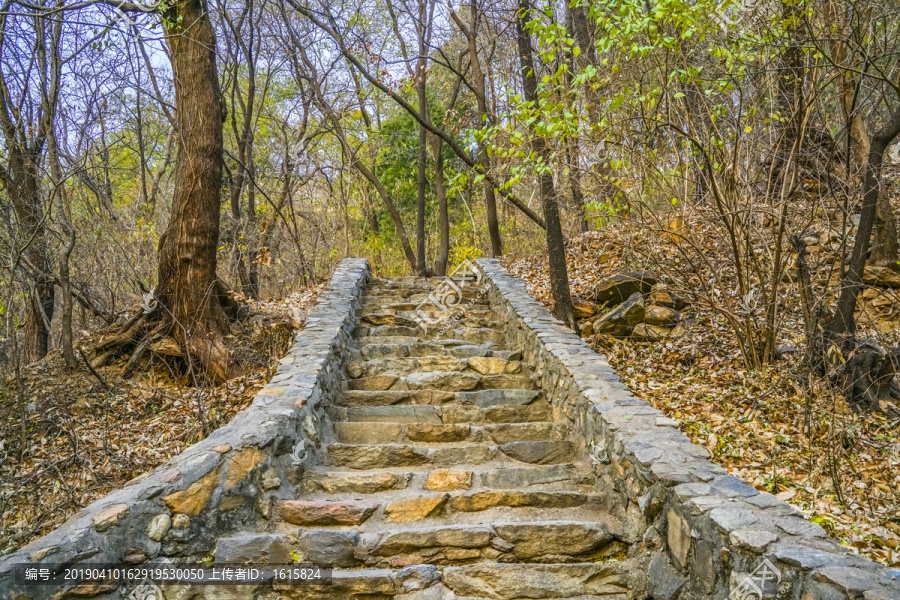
(229, 481)
(704, 533)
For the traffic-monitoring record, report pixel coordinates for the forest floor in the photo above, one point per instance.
(776, 428)
(70, 439)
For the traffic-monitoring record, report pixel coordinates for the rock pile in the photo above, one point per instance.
(641, 308)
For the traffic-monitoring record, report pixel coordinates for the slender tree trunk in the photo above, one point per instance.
(158, 175)
(187, 283)
(252, 230)
(106, 195)
(790, 81)
(422, 180)
(142, 155)
(58, 198)
(851, 284)
(559, 277)
(885, 250)
(479, 81)
(440, 263)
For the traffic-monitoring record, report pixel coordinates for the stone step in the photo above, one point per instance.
(378, 311)
(348, 398)
(447, 414)
(347, 509)
(415, 582)
(480, 365)
(419, 297)
(578, 581)
(448, 381)
(446, 342)
(432, 348)
(481, 398)
(465, 335)
(479, 581)
(333, 482)
(536, 542)
(367, 432)
(374, 456)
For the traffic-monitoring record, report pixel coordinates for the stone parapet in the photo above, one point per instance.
(704, 533)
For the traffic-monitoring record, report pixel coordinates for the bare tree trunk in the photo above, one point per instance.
(25, 196)
(422, 165)
(440, 263)
(559, 277)
(187, 283)
(885, 250)
(160, 171)
(60, 200)
(851, 284)
(470, 31)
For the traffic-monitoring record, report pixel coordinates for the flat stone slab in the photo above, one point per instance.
(355, 483)
(495, 397)
(549, 539)
(456, 536)
(539, 453)
(376, 456)
(524, 477)
(350, 512)
(398, 413)
(452, 381)
(535, 581)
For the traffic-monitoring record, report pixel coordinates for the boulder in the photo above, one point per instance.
(644, 332)
(619, 288)
(661, 315)
(583, 310)
(663, 296)
(881, 277)
(621, 321)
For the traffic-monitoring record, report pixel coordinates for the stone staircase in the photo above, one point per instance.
(446, 475)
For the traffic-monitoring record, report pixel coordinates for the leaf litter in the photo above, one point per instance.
(777, 429)
(67, 440)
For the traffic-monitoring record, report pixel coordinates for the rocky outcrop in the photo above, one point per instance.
(650, 317)
(619, 288)
(621, 321)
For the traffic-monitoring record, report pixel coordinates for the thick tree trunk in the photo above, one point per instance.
(559, 277)
(187, 284)
(23, 191)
